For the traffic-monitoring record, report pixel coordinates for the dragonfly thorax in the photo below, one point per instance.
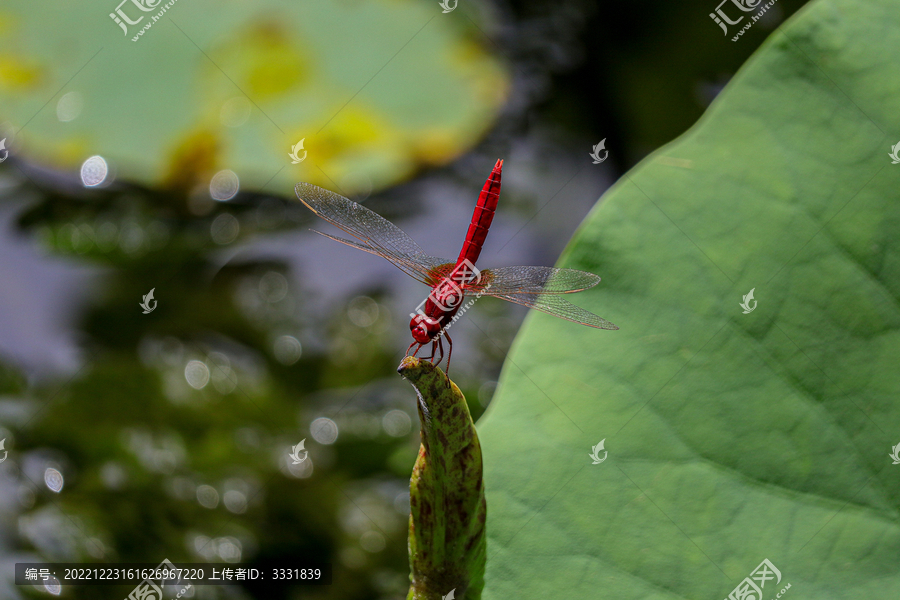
(440, 307)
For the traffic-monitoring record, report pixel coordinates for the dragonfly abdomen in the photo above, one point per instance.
(482, 217)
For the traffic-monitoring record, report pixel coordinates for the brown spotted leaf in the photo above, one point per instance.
(447, 506)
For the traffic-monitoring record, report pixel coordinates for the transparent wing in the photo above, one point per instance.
(541, 288)
(558, 306)
(533, 280)
(377, 234)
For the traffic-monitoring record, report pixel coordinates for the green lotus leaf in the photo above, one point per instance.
(733, 438)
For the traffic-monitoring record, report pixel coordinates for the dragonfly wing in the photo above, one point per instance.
(377, 234)
(558, 306)
(441, 268)
(541, 288)
(532, 280)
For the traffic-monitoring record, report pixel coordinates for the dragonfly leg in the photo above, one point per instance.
(410, 348)
(440, 345)
(449, 353)
(430, 356)
(433, 351)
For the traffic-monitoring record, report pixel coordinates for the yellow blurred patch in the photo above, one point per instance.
(19, 73)
(266, 60)
(73, 151)
(487, 77)
(436, 146)
(192, 161)
(353, 129)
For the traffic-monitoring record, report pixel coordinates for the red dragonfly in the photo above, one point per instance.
(540, 288)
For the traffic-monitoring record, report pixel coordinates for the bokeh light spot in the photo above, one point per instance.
(69, 106)
(54, 480)
(224, 185)
(396, 423)
(235, 501)
(362, 311)
(273, 286)
(53, 586)
(94, 171)
(207, 496)
(372, 541)
(324, 430)
(235, 112)
(225, 229)
(197, 374)
(287, 349)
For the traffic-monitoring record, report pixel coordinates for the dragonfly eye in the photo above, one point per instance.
(423, 328)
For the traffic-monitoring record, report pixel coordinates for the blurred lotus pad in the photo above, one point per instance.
(374, 90)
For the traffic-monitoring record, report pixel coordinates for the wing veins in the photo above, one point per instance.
(378, 235)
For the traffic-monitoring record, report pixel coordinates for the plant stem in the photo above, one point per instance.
(447, 542)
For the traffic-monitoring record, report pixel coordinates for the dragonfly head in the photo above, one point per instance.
(424, 329)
